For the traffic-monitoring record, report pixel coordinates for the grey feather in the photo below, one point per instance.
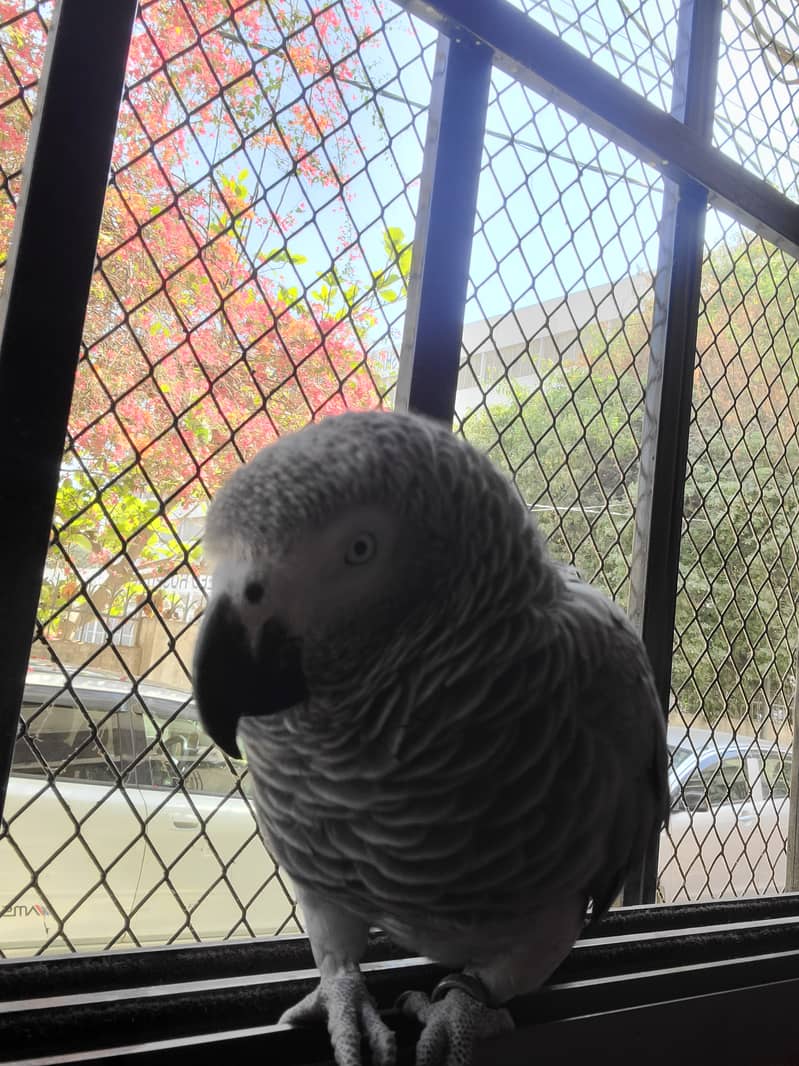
(482, 738)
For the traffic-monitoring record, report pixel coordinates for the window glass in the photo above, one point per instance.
(61, 738)
(681, 754)
(715, 786)
(777, 770)
(730, 785)
(181, 750)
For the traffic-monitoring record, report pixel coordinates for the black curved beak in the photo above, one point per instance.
(231, 680)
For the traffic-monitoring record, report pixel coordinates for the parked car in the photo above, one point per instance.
(127, 823)
(729, 817)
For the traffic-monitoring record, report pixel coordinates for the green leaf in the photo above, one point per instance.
(78, 540)
(388, 279)
(282, 255)
(405, 261)
(393, 240)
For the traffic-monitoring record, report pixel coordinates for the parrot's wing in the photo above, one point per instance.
(642, 809)
(621, 707)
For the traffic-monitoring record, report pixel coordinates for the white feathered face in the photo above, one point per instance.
(334, 574)
(358, 567)
(339, 549)
(288, 624)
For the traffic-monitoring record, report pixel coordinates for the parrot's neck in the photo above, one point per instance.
(431, 681)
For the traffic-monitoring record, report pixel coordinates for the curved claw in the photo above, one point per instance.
(452, 1026)
(343, 1002)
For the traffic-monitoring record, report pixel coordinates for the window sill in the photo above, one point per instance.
(707, 983)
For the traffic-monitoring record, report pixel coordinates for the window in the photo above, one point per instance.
(63, 739)
(218, 320)
(716, 786)
(777, 770)
(96, 632)
(181, 751)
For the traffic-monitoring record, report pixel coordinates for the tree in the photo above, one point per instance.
(736, 610)
(207, 333)
(572, 447)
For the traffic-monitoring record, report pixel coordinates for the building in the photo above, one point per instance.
(526, 340)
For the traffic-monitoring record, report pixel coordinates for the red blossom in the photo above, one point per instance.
(200, 346)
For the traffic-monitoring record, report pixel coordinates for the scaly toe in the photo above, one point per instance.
(452, 1026)
(344, 1003)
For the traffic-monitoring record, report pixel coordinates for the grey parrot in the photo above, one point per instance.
(451, 736)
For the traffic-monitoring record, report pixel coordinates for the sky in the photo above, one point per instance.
(560, 208)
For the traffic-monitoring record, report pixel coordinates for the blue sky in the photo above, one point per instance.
(560, 207)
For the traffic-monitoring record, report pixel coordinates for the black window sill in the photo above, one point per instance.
(704, 983)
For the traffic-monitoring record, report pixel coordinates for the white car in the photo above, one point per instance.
(128, 824)
(729, 817)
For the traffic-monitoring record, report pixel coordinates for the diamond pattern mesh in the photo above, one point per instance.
(758, 89)
(554, 366)
(736, 634)
(23, 36)
(251, 276)
(635, 41)
(558, 325)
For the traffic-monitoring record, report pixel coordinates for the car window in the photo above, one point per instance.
(715, 786)
(680, 753)
(777, 770)
(186, 752)
(79, 745)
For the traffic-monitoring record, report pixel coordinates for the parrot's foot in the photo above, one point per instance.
(341, 1000)
(453, 1023)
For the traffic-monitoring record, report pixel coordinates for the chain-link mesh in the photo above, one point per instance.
(636, 42)
(736, 633)
(555, 357)
(252, 270)
(251, 276)
(23, 37)
(558, 324)
(758, 89)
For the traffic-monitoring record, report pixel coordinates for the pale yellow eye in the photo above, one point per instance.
(362, 548)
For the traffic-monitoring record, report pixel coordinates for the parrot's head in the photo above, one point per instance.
(342, 551)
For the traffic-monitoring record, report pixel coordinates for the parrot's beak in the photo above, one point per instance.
(232, 679)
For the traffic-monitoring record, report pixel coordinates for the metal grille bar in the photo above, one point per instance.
(664, 448)
(540, 60)
(69, 153)
(428, 374)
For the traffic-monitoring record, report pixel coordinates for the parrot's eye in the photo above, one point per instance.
(361, 549)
